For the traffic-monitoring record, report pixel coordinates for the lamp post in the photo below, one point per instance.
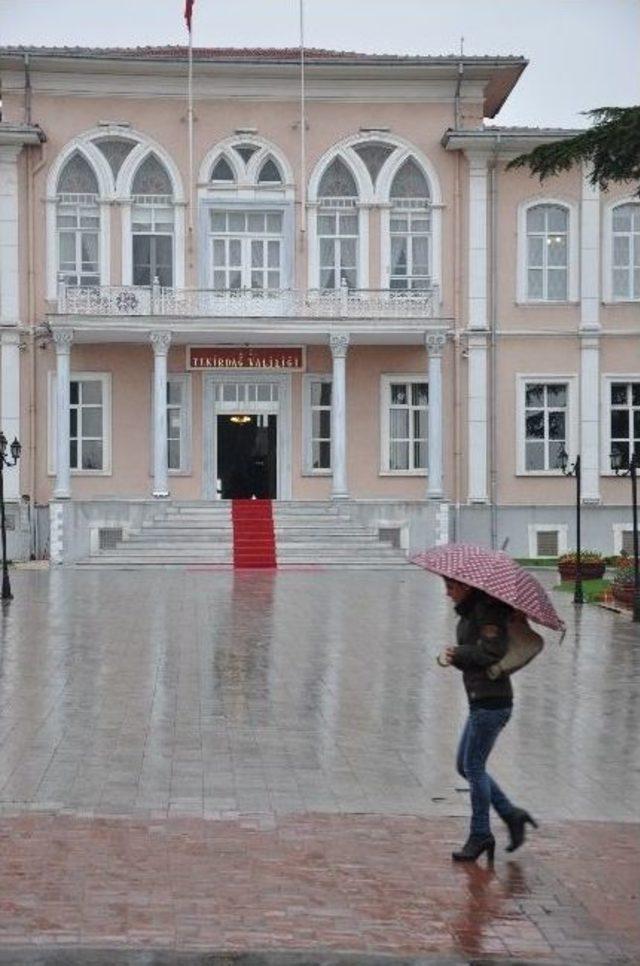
(15, 450)
(624, 467)
(563, 459)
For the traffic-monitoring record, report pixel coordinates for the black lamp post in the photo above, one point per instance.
(15, 450)
(563, 459)
(629, 467)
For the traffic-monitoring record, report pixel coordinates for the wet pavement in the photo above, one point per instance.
(200, 762)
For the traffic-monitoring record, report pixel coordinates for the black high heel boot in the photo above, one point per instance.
(517, 825)
(474, 847)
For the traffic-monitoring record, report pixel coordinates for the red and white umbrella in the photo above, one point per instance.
(497, 574)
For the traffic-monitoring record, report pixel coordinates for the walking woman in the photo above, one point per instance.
(482, 640)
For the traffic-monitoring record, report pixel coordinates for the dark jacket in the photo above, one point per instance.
(482, 639)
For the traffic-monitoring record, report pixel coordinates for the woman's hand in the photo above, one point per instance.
(445, 658)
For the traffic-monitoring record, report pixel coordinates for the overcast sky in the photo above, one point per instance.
(583, 53)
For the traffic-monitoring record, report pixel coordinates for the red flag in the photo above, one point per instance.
(188, 10)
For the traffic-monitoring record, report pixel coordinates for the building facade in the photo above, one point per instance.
(365, 306)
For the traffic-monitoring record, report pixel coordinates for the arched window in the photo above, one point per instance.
(626, 251)
(78, 223)
(547, 253)
(410, 229)
(338, 227)
(152, 224)
(222, 171)
(115, 150)
(269, 173)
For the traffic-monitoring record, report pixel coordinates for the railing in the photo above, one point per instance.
(156, 300)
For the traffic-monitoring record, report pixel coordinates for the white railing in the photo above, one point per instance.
(155, 300)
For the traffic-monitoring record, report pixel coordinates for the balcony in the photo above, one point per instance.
(129, 301)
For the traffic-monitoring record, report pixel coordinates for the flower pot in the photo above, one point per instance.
(624, 594)
(591, 570)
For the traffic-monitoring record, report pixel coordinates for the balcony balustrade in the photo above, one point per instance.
(155, 300)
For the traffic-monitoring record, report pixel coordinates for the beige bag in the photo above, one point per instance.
(524, 645)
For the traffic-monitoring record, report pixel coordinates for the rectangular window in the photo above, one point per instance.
(545, 425)
(152, 239)
(626, 252)
(86, 424)
(338, 241)
(624, 419)
(406, 413)
(78, 226)
(246, 249)
(317, 416)
(410, 250)
(547, 253)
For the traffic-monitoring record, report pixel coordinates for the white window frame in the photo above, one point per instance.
(618, 530)
(245, 239)
(573, 252)
(605, 416)
(409, 213)
(105, 378)
(186, 433)
(572, 418)
(386, 379)
(153, 231)
(561, 529)
(607, 252)
(308, 468)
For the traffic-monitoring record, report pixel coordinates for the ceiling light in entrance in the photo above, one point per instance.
(241, 420)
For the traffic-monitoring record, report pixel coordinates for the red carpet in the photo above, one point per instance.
(254, 542)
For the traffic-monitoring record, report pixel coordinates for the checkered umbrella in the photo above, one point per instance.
(496, 574)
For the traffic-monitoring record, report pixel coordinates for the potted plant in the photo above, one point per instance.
(623, 583)
(592, 565)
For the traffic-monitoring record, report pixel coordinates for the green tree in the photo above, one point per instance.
(611, 147)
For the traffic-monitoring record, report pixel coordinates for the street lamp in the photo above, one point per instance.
(628, 467)
(563, 460)
(15, 449)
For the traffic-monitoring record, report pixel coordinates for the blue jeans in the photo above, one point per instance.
(478, 738)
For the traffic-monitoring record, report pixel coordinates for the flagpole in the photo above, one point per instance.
(190, 128)
(303, 133)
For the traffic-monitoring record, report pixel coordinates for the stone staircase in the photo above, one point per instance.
(308, 534)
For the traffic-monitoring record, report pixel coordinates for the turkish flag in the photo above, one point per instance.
(188, 10)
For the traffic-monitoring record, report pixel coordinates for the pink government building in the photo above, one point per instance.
(365, 312)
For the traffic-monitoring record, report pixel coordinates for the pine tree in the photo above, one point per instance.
(611, 147)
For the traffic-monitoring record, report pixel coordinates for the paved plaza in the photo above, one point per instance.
(198, 761)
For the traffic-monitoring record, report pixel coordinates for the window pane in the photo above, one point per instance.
(398, 256)
(257, 254)
(399, 455)
(321, 393)
(623, 450)
(218, 221)
(420, 423)
(636, 423)
(619, 393)
(173, 453)
(174, 392)
(74, 391)
(348, 224)
(327, 249)
(420, 455)
(321, 455)
(555, 448)
(92, 421)
(273, 254)
(535, 249)
(535, 219)
(73, 422)
(621, 283)
(73, 454)
(534, 395)
(327, 278)
(399, 393)
(557, 250)
(622, 218)
(420, 256)
(91, 391)
(620, 250)
(274, 222)
(399, 423)
(534, 456)
(347, 254)
(635, 393)
(68, 247)
(620, 424)
(326, 224)
(557, 394)
(556, 218)
(557, 284)
(90, 251)
(557, 426)
(256, 221)
(534, 426)
(534, 283)
(92, 454)
(273, 280)
(419, 393)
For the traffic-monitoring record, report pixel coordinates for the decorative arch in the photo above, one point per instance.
(573, 250)
(246, 155)
(134, 159)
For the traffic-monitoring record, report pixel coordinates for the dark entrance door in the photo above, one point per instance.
(247, 448)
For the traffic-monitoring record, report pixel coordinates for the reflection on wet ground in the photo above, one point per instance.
(207, 693)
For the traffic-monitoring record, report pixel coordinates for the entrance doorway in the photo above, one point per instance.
(247, 456)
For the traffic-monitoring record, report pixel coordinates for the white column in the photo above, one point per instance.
(9, 285)
(477, 418)
(339, 343)
(590, 417)
(160, 341)
(10, 405)
(477, 241)
(62, 339)
(435, 342)
(589, 340)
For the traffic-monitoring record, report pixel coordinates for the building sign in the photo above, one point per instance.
(249, 357)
